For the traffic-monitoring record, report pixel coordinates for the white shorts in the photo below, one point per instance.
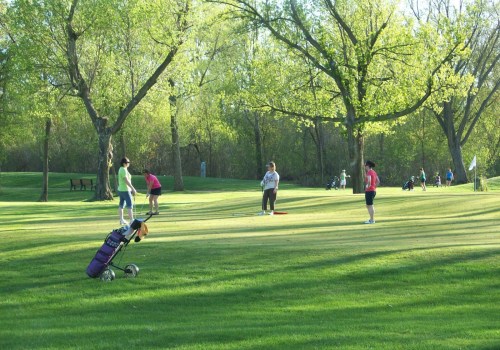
(343, 182)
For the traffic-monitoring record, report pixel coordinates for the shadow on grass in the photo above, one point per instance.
(299, 284)
(356, 299)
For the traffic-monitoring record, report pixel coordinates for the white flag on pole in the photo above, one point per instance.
(473, 163)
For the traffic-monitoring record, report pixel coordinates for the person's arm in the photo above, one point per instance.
(149, 184)
(276, 187)
(368, 181)
(129, 184)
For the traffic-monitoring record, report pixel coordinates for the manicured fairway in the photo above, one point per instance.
(216, 276)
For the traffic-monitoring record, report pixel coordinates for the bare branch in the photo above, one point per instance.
(340, 20)
(480, 112)
(182, 25)
(299, 114)
(412, 108)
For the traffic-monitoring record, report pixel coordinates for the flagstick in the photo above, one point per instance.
(475, 178)
(473, 165)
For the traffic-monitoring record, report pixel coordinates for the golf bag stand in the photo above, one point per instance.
(117, 240)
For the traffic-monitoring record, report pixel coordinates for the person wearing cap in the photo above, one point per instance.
(125, 191)
(154, 191)
(269, 185)
(343, 179)
(371, 183)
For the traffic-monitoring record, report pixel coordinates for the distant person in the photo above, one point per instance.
(270, 188)
(153, 192)
(371, 183)
(343, 179)
(437, 180)
(125, 191)
(449, 177)
(422, 179)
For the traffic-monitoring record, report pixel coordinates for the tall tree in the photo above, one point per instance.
(6, 42)
(39, 106)
(44, 196)
(109, 68)
(459, 112)
(191, 87)
(375, 62)
(79, 82)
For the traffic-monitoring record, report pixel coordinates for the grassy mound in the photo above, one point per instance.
(494, 184)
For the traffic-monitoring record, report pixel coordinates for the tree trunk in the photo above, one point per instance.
(320, 149)
(105, 160)
(123, 144)
(211, 164)
(381, 143)
(454, 146)
(460, 174)
(422, 143)
(176, 147)
(176, 153)
(305, 163)
(44, 197)
(115, 178)
(259, 171)
(355, 146)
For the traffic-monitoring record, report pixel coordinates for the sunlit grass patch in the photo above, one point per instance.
(213, 275)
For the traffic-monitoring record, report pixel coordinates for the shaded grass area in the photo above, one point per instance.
(215, 276)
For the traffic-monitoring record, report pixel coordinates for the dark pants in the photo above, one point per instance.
(268, 195)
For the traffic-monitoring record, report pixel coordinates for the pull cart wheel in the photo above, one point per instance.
(107, 275)
(131, 270)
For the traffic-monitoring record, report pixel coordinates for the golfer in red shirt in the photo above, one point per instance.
(371, 182)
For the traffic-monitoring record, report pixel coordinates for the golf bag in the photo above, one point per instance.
(113, 244)
(333, 183)
(437, 181)
(408, 185)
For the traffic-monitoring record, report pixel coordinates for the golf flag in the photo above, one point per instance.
(473, 163)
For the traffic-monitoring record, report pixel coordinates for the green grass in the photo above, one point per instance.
(215, 276)
(27, 187)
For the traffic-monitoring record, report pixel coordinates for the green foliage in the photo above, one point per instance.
(233, 77)
(483, 184)
(470, 83)
(417, 143)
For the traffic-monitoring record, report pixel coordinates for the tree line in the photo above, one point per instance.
(316, 86)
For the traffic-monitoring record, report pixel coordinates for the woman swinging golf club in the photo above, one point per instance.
(154, 191)
(270, 186)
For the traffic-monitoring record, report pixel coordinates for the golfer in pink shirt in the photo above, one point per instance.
(371, 183)
(154, 191)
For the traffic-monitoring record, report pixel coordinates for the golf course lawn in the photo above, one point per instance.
(213, 275)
